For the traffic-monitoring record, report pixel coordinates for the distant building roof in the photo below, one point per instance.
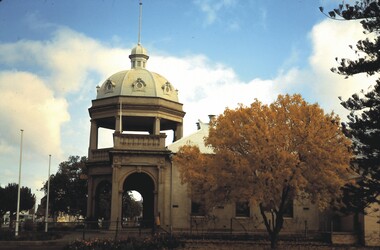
(195, 139)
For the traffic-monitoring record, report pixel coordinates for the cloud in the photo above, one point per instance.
(331, 39)
(212, 8)
(67, 61)
(55, 79)
(207, 87)
(26, 103)
(315, 81)
(72, 63)
(263, 17)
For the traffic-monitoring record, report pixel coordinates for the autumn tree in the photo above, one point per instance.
(270, 155)
(68, 187)
(363, 126)
(196, 171)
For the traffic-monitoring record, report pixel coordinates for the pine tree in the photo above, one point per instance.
(363, 126)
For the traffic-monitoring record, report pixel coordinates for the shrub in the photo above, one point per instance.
(28, 225)
(128, 244)
(9, 235)
(6, 234)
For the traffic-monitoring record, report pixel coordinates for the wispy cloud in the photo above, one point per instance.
(212, 8)
(263, 18)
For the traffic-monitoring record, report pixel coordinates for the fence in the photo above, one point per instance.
(86, 229)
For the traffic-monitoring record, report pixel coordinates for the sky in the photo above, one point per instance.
(217, 53)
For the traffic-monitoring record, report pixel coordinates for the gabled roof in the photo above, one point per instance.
(195, 139)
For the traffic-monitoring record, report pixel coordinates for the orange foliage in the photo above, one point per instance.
(261, 150)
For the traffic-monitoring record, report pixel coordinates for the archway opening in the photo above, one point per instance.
(132, 208)
(143, 184)
(103, 202)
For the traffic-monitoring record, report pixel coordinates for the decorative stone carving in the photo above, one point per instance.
(109, 86)
(118, 166)
(139, 85)
(116, 159)
(167, 88)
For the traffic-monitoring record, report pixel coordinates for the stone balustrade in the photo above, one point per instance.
(129, 142)
(139, 142)
(99, 154)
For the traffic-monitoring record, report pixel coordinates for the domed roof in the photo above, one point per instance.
(137, 81)
(139, 50)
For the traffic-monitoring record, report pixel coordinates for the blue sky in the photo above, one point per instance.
(217, 53)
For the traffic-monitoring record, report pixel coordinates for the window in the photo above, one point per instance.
(288, 213)
(197, 209)
(242, 209)
(109, 86)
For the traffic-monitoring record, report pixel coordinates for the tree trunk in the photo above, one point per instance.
(274, 227)
(273, 240)
(277, 226)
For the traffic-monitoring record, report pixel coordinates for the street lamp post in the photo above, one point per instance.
(47, 198)
(18, 193)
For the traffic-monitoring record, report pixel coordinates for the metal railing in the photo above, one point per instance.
(91, 229)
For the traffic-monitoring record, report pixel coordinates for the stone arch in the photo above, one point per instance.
(145, 184)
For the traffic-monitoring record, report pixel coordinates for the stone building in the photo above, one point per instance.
(136, 105)
(139, 108)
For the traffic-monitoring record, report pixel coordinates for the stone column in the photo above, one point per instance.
(115, 198)
(156, 126)
(161, 194)
(93, 144)
(118, 125)
(178, 133)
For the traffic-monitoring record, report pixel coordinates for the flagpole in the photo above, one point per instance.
(140, 16)
(47, 198)
(19, 190)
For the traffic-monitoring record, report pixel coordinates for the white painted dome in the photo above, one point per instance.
(137, 81)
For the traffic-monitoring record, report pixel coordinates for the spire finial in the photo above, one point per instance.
(140, 17)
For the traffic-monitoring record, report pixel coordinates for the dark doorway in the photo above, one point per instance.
(103, 200)
(143, 184)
